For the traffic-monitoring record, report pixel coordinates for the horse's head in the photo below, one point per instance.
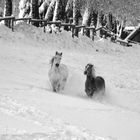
(56, 59)
(89, 70)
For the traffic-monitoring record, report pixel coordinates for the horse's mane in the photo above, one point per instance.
(93, 71)
(51, 61)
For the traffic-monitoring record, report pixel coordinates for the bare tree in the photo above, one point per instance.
(68, 12)
(35, 11)
(44, 6)
(109, 21)
(50, 10)
(24, 8)
(68, 8)
(75, 16)
(99, 23)
(93, 23)
(1, 12)
(56, 10)
(86, 18)
(56, 15)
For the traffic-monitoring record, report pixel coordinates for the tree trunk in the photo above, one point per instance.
(24, 8)
(49, 13)
(85, 22)
(98, 23)
(119, 28)
(123, 24)
(75, 16)
(93, 24)
(68, 8)
(56, 11)
(22, 5)
(94, 18)
(1, 12)
(68, 13)
(109, 21)
(15, 8)
(8, 11)
(40, 2)
(44, 6)
(35, 12)
(114, 28)
(62, 13)
(56, 14)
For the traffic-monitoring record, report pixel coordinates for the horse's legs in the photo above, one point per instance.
(56, 86)
(63, 83)
(54, 89)
(60, 85)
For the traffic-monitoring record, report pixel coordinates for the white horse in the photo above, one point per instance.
(58, 73)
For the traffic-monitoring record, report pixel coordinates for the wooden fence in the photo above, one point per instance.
(73, 27)
(12, 19)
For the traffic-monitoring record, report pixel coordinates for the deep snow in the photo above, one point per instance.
(30, 110)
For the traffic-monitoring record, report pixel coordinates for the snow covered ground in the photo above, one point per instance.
(30, 110)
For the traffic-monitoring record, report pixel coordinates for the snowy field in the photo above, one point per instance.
(29, 110)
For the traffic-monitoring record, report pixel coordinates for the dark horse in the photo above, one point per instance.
(93, 84)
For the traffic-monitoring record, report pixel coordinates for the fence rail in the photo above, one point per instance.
(7, 18)
(24, 19)
(60, 24)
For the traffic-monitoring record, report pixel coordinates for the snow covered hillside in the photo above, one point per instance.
(30, 110)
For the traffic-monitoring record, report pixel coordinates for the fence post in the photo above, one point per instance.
(12, 22)
(29, 20)
(59, 26)
(44, 28)
(73, 30)
(92, 33)
(76, 31)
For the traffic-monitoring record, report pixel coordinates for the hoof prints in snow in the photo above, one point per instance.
(53, 136)
(55, 129)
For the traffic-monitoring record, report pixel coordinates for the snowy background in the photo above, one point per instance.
(29, 110)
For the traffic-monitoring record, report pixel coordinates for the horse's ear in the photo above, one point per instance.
(56, 53)
(89, 65)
